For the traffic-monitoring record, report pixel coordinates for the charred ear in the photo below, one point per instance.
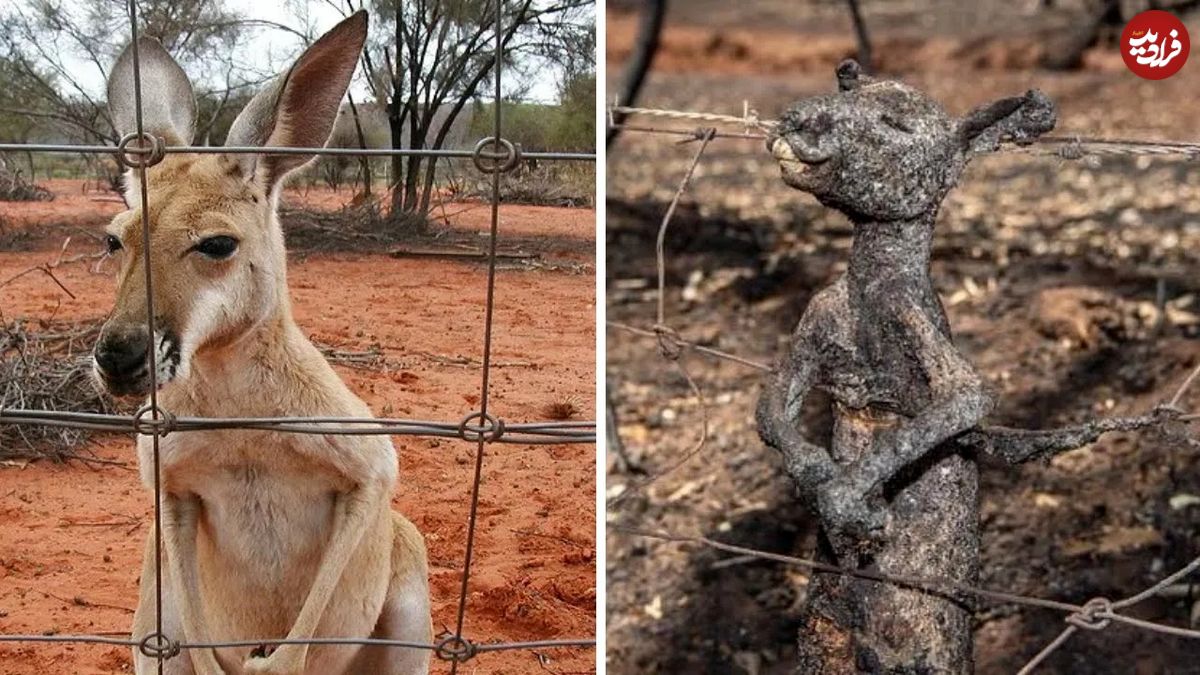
(1019, 119)
(850, 75)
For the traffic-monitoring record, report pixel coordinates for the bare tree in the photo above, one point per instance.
(428, 59)
(53, 50)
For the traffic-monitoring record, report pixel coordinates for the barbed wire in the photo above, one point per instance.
(1097, 613)
(755, 128)
(493, 155)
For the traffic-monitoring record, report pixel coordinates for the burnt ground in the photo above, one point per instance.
(1074, 286)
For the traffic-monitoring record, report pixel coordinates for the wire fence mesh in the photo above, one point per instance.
(1096, 614)
(493, 156)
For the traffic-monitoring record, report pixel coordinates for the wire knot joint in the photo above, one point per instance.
(455, 648)
(489, 429)
(670, 345)
(148, 151)
(150, 420)
(496, 156)
(1094, 615)
(158, 646)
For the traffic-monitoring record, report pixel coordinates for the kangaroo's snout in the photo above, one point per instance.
(121, 360)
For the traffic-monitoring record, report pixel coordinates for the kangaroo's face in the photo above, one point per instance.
(882, 151)
(217, 267)
(218, 264)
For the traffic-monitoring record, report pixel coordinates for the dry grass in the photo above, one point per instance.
(561, 410)
(48, 367)
(548, 183)
(14, 187)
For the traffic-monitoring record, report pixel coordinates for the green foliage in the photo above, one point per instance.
(215, 118)
(569, 126)
(52, 53)
(14, 126)
(576, 127)
(524, 123)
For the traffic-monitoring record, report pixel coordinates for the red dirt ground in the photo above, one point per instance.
(71, 537)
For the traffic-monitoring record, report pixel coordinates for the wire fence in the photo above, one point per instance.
(753, 127)
(492, 156)
(1094, 615)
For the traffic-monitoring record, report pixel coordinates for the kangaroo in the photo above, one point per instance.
(894, 491)
(266, 535)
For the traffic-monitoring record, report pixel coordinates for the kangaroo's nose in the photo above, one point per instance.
(122, 353)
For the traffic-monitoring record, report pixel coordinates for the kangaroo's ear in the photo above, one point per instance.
(1018, 118)
(168, 104)
(850, 76)
(299, 108)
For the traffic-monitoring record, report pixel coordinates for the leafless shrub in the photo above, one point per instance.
(48, 367)
(14, 187)
(566, 184)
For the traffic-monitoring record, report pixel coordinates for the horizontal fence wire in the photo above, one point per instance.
(1092, 612)
(1095, 614)
(246, 150)
(533, 433)
(755, 128)
(151, 420)
(364, 642)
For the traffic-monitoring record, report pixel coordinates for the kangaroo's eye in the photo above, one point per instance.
(217, 248)
(896, 123)
(112, 244)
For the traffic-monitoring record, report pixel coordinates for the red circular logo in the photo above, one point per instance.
(1155, 44)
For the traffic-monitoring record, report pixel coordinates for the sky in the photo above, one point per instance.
(268, 49)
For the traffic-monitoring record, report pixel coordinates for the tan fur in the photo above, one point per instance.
(260, 506)
(266, 535)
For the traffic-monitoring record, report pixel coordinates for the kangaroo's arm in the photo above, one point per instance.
(960, 402)
(373, 474)
(180, 513)
(779, 408)
(1016, 446)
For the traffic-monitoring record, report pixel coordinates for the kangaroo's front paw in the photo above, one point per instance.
(284, 660)
(847, 511)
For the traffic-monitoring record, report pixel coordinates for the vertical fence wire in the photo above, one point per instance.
(143, 198)
(489, 309)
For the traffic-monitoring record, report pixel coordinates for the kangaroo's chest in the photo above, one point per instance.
(264, 506)
(867, 362)
(259, 514)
